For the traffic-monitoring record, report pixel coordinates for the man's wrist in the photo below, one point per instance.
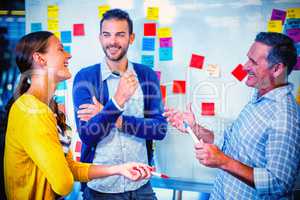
(118, 103)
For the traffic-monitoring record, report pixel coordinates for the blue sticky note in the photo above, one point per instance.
(67, 49)
(62, 85)
(148, 44)
(60, 99)
(66, 36)
(148, 60)
(297, 45)
(166, 54)
(292, 23)
(36, 27)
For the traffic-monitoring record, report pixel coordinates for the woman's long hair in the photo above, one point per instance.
(26, 47)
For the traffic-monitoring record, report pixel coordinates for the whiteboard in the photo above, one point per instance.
(221, 31)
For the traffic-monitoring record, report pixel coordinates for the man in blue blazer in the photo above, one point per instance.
(118, 111)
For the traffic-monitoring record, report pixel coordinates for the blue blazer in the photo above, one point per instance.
(88, 83)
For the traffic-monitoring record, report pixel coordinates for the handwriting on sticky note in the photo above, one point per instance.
(148, 60)
(165, 53)
(293, 13)
(148, 44)
(278, 15)
(165, 42)
(152, 13)
(213, 70)
(164, 32)
(275, 26)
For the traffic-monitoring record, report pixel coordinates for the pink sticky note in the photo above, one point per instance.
(278, 15)
(78, 158)
(78, 146)
(78, 29)
(158, 73)
(239, 72)
(197, 61)
(294, 34)
(208, 109)
(297, 66)
(165, 42)
(178, 87)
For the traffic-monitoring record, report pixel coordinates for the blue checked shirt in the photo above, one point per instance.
(266, 137)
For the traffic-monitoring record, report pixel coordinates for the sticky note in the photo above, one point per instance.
(163, 90)
(207, 109)
(148, 44)
(148, 60)
(67, 49)
(60, 99)
(239, 73)
(293, 13)
(36, 27)
(52, 25)
(158, 74)
(78, 29)
(62, 85)
(102, 9)
(57, 34)
(52, 11)
(78, 158)
(275, 26)
(78, 146)
(292, 23)
(213, 70)
(278, 15)
(197, 61)
(294, 34)
(149, 29)
(164, 32)
(165, 54)
(152, 13)
(178, 87)
(165, 42)
(297, 66)
(66, 36)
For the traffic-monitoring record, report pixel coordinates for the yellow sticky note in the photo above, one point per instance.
(164, 32)
(275, 26)
(102, 9)
(293, 13)
(57, 34)
(152, 13)
(53, 11)
(53, 25)
(213, 70)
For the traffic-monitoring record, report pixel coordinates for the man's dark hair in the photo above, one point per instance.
(119, 15)
(282, 51)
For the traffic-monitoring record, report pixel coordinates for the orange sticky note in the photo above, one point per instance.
(197, 61)
(163, 90)
(78, 29)
(179, 87)
(208, 109)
